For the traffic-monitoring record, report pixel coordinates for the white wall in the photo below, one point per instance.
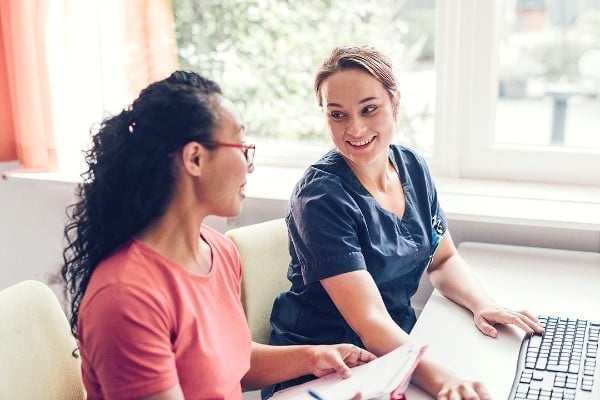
(32, 217)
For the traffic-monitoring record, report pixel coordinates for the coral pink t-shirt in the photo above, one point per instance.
(147, 324)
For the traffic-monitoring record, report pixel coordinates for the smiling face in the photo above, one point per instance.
(360, 116)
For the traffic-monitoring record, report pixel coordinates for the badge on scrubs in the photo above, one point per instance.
(437, 230)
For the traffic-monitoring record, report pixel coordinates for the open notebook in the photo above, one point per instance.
(386, 377)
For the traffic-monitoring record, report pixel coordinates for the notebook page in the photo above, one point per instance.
(376, 379)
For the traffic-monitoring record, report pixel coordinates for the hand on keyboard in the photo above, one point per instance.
(491, 314)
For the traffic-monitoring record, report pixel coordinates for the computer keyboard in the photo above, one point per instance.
(561, 364)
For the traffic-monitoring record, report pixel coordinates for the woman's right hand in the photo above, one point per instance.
(443, 384)
(459, 389)
(338, 358)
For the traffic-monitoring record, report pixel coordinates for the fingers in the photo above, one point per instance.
(339, 358)
(481, 391)
(522, 319)
(332, 360)
(523, 322)
(341, 368)
(459, 392)
(365, 356)
(464, 391)
(354, 355)
(345, 358)
(486, 328)
(533, 321)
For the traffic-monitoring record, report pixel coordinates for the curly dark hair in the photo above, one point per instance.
(130, 176)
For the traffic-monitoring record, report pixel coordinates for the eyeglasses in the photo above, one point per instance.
(247, 149)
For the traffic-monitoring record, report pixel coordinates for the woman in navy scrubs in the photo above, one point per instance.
(364, 224)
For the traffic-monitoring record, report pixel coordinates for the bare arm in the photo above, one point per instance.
(273, 364)
(357, 297)
(450, 275)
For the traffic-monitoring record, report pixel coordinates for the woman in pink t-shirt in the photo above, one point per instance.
(155, 294)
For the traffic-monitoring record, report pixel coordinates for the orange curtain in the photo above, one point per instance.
(26, 124)
(64, 63)
(8, 147)
(153, 48)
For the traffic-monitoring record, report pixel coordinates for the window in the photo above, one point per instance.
(265, 55)
(498, 89)
(487, 130)
(549, 71)
(484, 51)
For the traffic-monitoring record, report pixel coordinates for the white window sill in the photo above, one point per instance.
(531, 204)
(535, 205)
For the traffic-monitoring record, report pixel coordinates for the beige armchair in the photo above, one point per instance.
(36, 346)
(263, 249)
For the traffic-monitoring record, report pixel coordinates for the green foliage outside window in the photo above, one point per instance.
(265, 53)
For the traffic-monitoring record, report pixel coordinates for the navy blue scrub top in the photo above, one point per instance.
(336, 226)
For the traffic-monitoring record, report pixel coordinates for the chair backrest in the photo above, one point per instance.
(36, 346)
(263, 249)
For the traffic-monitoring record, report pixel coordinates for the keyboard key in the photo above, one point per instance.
(560, 363)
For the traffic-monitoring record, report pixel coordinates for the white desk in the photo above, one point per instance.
(554, 282)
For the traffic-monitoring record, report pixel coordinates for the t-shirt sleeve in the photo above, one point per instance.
(127, 335)
(322, 222)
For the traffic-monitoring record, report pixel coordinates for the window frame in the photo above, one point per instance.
(467, 42)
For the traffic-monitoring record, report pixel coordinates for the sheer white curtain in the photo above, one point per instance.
(112, 49)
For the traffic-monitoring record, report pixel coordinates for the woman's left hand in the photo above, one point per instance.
(339, 358)
(491, 314)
